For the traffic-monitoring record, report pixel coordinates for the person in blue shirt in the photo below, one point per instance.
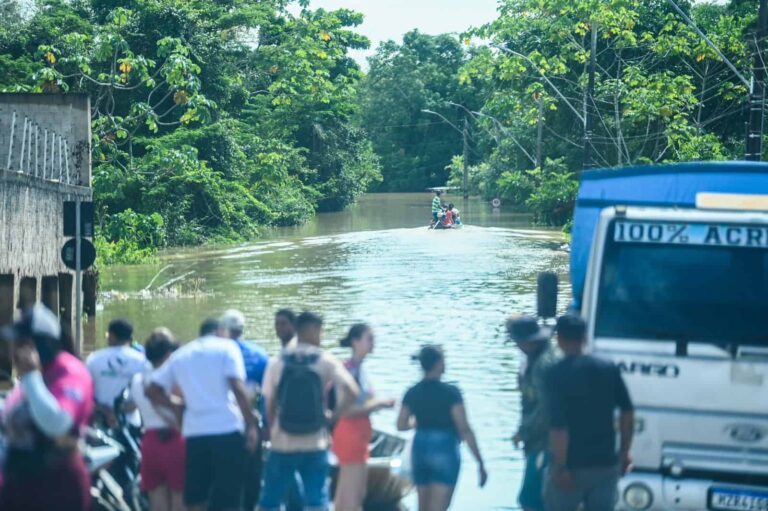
(232, 323)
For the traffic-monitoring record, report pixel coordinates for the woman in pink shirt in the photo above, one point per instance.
(43, 417)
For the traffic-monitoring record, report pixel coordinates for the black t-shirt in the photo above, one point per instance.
(431, 402)
(585, 392)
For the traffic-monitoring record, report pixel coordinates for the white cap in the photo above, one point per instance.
(233, 320)
(35, 321)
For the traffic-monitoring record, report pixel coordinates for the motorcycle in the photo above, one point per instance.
(100, 452)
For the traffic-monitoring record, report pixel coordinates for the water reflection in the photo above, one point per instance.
(377, 262)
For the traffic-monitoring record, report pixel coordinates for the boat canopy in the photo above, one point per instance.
(670, 186)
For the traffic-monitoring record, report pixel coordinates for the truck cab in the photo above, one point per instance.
(670, 270)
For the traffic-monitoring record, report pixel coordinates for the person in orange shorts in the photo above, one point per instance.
(353, 431)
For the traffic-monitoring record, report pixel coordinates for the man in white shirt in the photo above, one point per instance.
(210, 373)
(112, 369)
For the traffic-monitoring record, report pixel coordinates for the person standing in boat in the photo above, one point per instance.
(436, 410)
(353, 431)
(533, 433)
(437, 207)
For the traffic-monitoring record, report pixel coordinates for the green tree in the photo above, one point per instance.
(404, 79)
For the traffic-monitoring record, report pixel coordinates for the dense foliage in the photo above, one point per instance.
(214, 117)
(210, 118)
(661, 95)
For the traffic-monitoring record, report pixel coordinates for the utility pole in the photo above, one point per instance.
(465, 182)
(754, 150)
(539, 130)
(589, 114)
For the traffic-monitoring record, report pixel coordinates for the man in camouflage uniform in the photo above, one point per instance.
(534, 341)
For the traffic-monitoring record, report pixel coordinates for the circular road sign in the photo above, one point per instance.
(87, 254)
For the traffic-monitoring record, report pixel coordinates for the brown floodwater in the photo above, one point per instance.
(374, 262)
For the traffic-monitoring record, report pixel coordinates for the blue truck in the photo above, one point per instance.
(669, 266)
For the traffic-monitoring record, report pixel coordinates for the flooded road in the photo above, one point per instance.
(377, 262)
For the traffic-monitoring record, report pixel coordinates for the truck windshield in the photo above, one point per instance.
(679, 292)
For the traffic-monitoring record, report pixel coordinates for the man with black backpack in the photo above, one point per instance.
(295, 388)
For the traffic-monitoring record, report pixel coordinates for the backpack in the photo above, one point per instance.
(300, 395)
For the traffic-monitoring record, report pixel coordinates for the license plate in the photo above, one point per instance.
(734, 499)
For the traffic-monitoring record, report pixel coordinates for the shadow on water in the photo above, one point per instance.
(377, 262)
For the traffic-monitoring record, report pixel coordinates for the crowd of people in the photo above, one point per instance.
(208, 408)
(444, 215)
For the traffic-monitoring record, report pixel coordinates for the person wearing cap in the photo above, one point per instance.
(436, 410)
(43, 418)
(534, 341)
(232, 325)
(585, 393)
(112, 369)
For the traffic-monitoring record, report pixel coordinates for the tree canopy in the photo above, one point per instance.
(210, 118)
(662, 94)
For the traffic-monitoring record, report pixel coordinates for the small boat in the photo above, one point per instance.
(440, 226)
(387, 484)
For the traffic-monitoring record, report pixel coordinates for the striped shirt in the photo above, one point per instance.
(436, 204)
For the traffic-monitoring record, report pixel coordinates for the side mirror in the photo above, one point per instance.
(546, 295)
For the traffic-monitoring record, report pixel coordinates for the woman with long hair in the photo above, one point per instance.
(353, 431)
(436, 410)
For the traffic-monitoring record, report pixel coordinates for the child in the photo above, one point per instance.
(455, 214)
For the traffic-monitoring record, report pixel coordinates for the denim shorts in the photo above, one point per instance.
(312, 467)
(436, 457)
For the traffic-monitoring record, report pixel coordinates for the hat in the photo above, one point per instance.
(525, 328)
(233, 320)
(38, 321)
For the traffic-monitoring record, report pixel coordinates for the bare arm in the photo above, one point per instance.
(370, 407)
(405, 419)
(252, 436)
(626, 432)
(558, 444)
(243, 401)
(162, 400)
(459, 415)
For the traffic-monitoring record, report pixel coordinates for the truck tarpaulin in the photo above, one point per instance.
(667, 186)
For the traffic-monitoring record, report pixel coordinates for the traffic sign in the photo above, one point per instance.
(86, 219)
(87, 254)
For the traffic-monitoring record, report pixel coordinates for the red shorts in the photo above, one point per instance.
(351, 438)
(163, 460)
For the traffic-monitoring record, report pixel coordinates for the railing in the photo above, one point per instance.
(38, 151)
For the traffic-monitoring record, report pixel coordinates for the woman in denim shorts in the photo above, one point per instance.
(436, 410)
